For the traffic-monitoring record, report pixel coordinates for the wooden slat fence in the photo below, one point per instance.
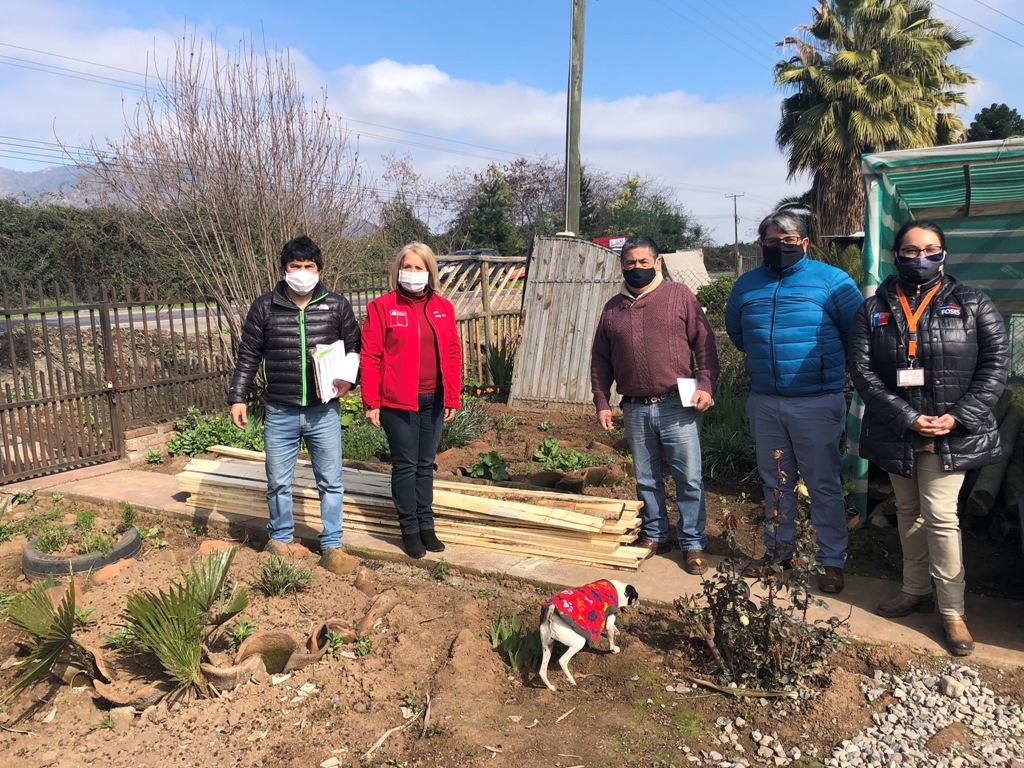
(570, 282)
(77, 371)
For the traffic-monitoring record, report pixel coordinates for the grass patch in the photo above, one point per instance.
(277, 577)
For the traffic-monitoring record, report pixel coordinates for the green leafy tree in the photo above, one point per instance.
(590, 211)
(867, 76)
(997, 121)
(490, 224)
(641, 210)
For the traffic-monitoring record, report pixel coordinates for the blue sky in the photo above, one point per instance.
(675, 90)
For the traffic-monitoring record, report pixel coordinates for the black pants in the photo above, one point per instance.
(413, 437)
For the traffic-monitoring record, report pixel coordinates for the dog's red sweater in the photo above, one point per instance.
(586, 608)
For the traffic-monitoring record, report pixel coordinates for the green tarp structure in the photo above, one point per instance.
(975, 192)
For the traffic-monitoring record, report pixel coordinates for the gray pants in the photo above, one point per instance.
(801, 434)
(926, 512)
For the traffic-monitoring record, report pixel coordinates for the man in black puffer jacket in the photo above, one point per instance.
(280, 330)
(930, 358)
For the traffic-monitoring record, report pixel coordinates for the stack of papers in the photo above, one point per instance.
(687, 389)
(329, 363)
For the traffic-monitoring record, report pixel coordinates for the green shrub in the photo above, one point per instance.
(84, 520)
(499, 361)
(195, 433)
(128, 518)
(351, 407)
(555, 458)
(53, 538)
(713, 297)
(520, 644)
(278, 577)
(94, 541)
(361, 441)
(467, 426)
(727, 447)
(727, 452)
(763, 640)
(490, 466)
(237, 634)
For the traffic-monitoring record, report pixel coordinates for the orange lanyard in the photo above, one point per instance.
(913, 317)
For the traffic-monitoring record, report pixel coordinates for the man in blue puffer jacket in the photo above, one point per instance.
(791, 317)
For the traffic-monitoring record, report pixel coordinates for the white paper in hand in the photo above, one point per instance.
(687, 389)
(329, 363)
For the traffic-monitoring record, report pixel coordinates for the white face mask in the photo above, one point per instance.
(302, 282)
(414, 282)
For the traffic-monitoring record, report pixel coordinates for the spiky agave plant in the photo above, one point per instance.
(172, 624)
(52, 627)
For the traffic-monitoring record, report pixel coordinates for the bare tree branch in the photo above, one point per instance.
(227, 160)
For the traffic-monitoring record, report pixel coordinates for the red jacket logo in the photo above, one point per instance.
(398, 318)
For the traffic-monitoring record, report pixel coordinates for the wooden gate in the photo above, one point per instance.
(76, 372)
(570, 282)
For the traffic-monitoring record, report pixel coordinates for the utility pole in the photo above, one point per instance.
(736, 234)
(572, 128)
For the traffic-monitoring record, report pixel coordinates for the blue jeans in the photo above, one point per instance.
(413, 437)
(670, 431)
(804, 432)
(320, 426)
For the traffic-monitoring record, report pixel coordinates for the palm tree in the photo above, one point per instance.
(867, 76)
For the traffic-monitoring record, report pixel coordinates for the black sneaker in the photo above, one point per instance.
(430, 540)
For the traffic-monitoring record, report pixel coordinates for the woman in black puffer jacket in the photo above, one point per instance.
(929, 356)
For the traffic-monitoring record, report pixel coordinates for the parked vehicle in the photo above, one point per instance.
(466, 264)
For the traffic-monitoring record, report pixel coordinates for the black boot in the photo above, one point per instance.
(430, 540)
(413, 545)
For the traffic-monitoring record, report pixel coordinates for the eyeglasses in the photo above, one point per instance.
(932, 252)
(771, 242)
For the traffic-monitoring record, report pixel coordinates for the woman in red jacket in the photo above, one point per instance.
(411, 373)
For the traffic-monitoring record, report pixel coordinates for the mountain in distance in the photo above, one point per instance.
(56, 183)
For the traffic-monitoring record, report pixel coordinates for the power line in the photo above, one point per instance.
(58, 153)
(69, 73)
(996, 10)
(717, 37)
(70, 58)
(980, 26)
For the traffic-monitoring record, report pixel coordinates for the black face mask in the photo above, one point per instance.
(920, 270)
(638, 277)
(781, 256)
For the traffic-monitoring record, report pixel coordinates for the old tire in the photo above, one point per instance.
(39, 565)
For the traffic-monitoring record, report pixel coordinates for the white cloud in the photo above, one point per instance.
(703, 148)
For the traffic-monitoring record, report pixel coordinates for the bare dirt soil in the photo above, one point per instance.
(431, 655)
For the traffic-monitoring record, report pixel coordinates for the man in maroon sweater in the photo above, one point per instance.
(648, 336)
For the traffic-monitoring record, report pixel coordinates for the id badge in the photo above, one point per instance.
(910, 377)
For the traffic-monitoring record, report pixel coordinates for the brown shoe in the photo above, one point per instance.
(655, 547)
(336, 561)
(832, 580)
(904, 605)
(279, 548)
(958, 639)
(755, 569)
(694, 562)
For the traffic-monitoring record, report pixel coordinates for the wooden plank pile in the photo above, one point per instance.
(585, 530)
